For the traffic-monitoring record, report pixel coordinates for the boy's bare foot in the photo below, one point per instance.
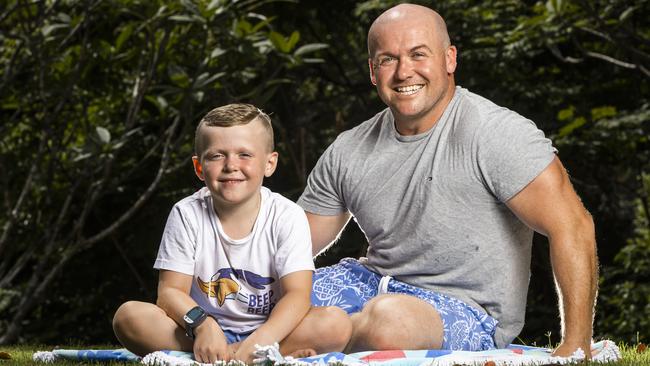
(302, 353)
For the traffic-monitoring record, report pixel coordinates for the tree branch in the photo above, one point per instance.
(132, 268)
(139, 90)
(558, 54)
(144, 197)
(13, 214)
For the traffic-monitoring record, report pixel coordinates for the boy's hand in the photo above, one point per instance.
(244, 352)
(210, 343)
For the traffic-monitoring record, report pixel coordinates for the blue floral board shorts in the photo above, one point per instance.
(349, 285)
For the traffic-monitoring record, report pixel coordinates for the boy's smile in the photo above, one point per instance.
(233, 164)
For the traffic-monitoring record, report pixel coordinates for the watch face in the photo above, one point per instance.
(193, 314)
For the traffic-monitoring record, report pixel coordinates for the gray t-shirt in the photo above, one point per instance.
(432, 205)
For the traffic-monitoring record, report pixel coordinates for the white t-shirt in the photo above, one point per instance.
(236, 281)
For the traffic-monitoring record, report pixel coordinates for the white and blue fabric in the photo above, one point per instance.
(349, 285)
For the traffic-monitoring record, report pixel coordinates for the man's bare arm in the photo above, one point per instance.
(550, 206)
(325, 229)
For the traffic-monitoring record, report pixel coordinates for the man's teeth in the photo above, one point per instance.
(409, 89)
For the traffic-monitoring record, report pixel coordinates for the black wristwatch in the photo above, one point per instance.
(193, 319)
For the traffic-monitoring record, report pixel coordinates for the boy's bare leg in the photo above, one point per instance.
(324, 329)
(144, 328)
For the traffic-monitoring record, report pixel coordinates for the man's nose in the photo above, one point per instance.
(404, 68)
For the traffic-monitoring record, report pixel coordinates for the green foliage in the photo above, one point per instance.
(625, 285)
(99, 101)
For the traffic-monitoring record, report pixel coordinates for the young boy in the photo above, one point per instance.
(235, 258)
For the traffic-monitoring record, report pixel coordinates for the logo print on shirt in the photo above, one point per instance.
(225, 283)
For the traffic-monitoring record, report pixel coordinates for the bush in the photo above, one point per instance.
(625, 286)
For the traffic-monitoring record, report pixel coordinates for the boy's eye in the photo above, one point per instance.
(245, 155)
(216, 156)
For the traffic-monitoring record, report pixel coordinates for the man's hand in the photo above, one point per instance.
(210, 343)
(566, 349)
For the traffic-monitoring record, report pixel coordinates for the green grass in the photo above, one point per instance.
(22, 355)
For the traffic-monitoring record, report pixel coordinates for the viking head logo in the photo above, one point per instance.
(224, 284)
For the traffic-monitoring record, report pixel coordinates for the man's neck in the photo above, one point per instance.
(238, 220)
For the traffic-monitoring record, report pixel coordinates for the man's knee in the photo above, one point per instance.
(398, 322)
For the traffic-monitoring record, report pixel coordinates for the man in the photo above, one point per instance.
(448, 188)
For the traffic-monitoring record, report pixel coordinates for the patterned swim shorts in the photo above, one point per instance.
(349, 285)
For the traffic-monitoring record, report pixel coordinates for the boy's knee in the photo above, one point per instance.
(126, 315)
(337, 326)
(124, 310)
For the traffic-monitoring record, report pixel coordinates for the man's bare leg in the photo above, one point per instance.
(395, 321)
(143, 328)
(324, 329)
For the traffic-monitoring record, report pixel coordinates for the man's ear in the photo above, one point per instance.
(198, 170)
(271, 164)
(450, 59)
(373, 79)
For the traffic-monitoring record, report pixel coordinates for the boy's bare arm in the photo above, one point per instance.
(285, 317)
(173, 297)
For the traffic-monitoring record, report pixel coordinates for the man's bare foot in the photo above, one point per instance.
(302, 353)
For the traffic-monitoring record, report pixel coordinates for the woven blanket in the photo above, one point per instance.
(514, 355)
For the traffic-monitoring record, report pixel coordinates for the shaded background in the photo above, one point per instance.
(99, 100)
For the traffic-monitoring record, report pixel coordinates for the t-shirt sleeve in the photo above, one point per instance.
(178, 244)
(323, 193)
(512, 153)
(294, 243)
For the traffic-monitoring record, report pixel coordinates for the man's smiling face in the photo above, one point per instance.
(413, 70)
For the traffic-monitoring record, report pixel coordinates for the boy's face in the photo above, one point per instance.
(234, 161)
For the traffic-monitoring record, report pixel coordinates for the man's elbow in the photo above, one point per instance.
(585, 227)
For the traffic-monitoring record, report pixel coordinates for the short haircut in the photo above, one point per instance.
(233, 115)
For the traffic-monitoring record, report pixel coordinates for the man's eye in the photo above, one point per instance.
(386, 60)
(245, 155)
(418, 56)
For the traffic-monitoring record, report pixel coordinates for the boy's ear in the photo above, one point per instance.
(198, 170)
(271, 164)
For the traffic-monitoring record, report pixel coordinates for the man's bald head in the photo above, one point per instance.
(409, 13)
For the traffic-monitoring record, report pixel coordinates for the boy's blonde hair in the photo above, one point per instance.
(233, 115)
